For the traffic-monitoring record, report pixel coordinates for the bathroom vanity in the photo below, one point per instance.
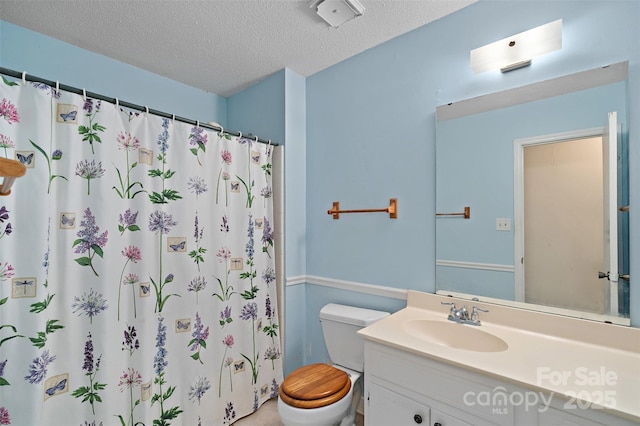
(518, 367)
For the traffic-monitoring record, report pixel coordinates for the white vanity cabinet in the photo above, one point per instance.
(403, 388)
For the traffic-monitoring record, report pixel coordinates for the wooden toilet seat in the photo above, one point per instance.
(315, 386)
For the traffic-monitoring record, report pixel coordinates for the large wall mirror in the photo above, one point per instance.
(542, 172)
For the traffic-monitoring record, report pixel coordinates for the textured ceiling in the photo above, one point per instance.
(221, 46)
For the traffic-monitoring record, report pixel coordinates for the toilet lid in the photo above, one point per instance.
(314, 386)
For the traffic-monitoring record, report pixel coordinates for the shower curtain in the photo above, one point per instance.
(137, 281)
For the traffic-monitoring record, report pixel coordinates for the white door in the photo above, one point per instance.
(563, 219)
(607, 211)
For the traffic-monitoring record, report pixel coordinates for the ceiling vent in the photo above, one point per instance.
(337, 12)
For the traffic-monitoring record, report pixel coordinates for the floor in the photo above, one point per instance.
(267, 415)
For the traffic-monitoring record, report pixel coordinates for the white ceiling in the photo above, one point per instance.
(221, 46)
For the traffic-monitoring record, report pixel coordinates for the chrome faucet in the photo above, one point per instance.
(462, 315)
(455, 314)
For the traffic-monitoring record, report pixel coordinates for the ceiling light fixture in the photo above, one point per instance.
(517, 51)
(337, 12)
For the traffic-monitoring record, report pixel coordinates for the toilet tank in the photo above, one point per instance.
(340, 325)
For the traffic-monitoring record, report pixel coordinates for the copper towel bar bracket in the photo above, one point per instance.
(466, 213)
(392, 209)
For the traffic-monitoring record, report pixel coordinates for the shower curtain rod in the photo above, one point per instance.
(57, 85)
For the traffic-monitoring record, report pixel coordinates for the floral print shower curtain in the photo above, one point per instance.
(137, 281)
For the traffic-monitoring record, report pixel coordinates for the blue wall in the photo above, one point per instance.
(371, 127)
(51, 59)
(260, 108)
(363, 131)
(371, 133)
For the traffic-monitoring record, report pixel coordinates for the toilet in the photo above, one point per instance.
(323, 394)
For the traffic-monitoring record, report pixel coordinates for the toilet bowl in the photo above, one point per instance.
(322, 395)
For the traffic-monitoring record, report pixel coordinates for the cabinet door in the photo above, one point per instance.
(387, 408)
(440, 419)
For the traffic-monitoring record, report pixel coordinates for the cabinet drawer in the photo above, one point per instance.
(553, 416)
(442, 419)
(387, 408)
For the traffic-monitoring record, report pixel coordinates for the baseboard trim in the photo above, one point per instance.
(372, 289)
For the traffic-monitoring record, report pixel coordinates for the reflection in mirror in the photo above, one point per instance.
(490, 151)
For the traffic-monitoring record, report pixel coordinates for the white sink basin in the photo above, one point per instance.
(455, 335)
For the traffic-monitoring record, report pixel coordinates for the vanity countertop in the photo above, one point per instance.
(598, 364)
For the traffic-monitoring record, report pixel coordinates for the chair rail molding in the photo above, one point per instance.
(372, 289)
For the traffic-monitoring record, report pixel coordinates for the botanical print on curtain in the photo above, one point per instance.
(137, 281)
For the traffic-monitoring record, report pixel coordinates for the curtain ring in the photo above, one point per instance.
(117, 103)
(84, 95)
(197, 123)
(173, 118)
(221, 131)
(240, 135)
(24, 77)
(256, 138)
(57, 86)
(146, 109)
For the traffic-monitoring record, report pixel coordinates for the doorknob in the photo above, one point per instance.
(603, 275)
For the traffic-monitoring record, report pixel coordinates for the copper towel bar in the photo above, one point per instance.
(392, 209)
(466, 214)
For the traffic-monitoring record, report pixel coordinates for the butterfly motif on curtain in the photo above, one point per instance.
(235, 186)
(144, 289)
(69, 116)
(68, 220)
(256, 158)
(25, 159)
(56, 388)
(183, 325)
(177, 247)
